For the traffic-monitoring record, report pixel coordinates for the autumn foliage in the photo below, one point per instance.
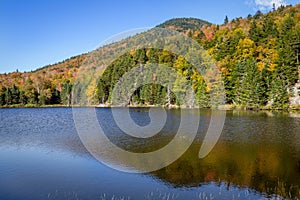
(258, 57)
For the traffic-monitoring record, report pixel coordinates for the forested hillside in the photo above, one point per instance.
(258, 57)
(49, 85)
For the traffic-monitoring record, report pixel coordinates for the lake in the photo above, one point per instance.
(42, 157)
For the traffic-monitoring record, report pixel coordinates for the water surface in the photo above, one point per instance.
(41, 156)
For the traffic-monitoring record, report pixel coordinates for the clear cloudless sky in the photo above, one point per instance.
(34, 33)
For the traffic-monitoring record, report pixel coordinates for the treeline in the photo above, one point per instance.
(28, 95)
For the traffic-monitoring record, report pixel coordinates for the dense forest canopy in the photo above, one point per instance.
(258, 58)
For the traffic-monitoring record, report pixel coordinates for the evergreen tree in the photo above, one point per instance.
(258, 15)
(255, 32)
(65, 94)
(278, 94)
(152, 55)
(15, 95)
(2, 96)
(202, 95)
(226, 20)
(8, 96)
(23, 98)
(287, 66)
(250, 85)
(269, 28)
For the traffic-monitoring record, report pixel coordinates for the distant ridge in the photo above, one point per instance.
(184, 24)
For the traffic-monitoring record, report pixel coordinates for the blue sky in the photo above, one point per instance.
(35, 33)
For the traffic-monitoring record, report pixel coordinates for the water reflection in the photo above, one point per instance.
(266, 169)
(41, 156)
(256, 151)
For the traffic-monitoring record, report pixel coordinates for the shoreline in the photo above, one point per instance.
(226, 107)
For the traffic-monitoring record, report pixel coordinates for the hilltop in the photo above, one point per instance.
(184, 24)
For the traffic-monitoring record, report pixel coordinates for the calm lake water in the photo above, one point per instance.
(42, 157)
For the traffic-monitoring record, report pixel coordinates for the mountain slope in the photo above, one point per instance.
(257, 56)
